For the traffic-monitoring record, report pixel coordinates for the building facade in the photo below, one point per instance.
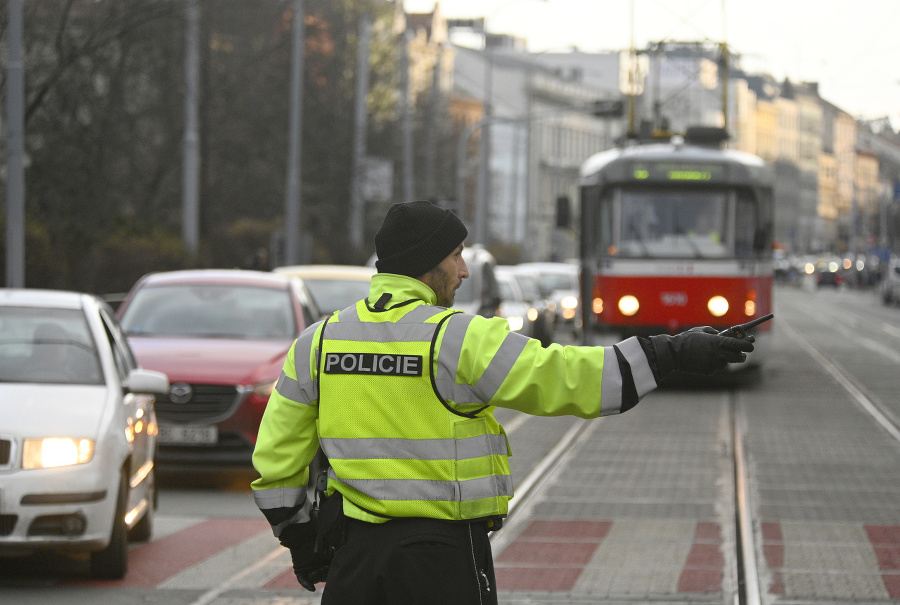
(837, 180)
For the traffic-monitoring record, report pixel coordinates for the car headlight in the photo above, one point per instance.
(515, 323)
(56, 451)
(569, 302)
(264, 389)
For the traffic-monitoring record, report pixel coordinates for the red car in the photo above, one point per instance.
(221, 336)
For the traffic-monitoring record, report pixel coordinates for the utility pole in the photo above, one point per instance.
(407, 119)
(190, 179)
(15, 177)
(357, 203)
(293, 200)
(484, 173)
(434, 106)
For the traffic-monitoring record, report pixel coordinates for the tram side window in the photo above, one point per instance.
(605, 243)
(744, 225)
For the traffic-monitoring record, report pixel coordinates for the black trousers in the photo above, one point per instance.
(412, 562)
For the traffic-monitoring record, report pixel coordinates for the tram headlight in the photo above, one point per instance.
(750, 303)
(628, 305)
(597, 305)
(718, 306)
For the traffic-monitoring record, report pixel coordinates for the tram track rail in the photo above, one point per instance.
(882, 416)
(747, 578)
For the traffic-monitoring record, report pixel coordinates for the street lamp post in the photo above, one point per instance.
(483, 191)
(293, 199)
(15, 173)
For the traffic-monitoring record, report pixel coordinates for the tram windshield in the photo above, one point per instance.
(666, 223)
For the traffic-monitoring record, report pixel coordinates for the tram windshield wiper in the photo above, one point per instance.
(632, 229)
(679, 231)
(694, 247)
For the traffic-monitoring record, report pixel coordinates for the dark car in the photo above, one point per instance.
(829, 276)
(222, 337)
(890, 285)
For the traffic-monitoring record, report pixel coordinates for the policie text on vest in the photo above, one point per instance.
(373, 363)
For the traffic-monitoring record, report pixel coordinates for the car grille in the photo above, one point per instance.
(208, 403)
(7, 524)
(5, 449)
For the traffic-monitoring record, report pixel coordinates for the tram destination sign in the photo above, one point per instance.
(677, 171)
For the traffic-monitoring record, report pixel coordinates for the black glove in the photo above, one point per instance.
(310, 567)
(698, 351)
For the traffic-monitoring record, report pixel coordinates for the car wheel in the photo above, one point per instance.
(111, 563)
(143, 529)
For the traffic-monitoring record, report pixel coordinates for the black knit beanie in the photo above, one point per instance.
(415, 237)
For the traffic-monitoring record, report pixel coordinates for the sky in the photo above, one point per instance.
(850, 47)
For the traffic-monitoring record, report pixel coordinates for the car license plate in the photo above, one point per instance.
(188, 434)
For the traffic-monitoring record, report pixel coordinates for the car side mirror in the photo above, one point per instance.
(146, 381)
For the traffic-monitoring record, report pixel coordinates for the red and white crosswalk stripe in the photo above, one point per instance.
(615, 557)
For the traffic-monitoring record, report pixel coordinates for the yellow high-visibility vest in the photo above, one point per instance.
(396, 448)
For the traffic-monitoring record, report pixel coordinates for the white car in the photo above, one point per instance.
(544, 309)
(520, 314)
(559, 283)
(78, 436)
(333, 287)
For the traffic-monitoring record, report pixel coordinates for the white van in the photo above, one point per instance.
(480, 293)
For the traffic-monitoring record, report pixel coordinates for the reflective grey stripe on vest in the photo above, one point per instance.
(610, 384)
(644, 381)
(284, 497)
(279, 497)
(494, 375)
(434, 491)
(347, 315)
(421, 314)
(380, 332)
(418, 314)
(414, 449)
(304, 389)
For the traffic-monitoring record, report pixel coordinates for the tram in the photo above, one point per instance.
(676, 234)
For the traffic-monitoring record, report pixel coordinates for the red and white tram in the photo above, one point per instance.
(674, 235)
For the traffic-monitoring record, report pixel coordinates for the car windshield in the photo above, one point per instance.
(529, 286)
(48, 346)
(334, 294)
(211, 311)
(551, 281)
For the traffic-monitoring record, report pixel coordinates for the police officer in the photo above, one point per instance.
(399, 392)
